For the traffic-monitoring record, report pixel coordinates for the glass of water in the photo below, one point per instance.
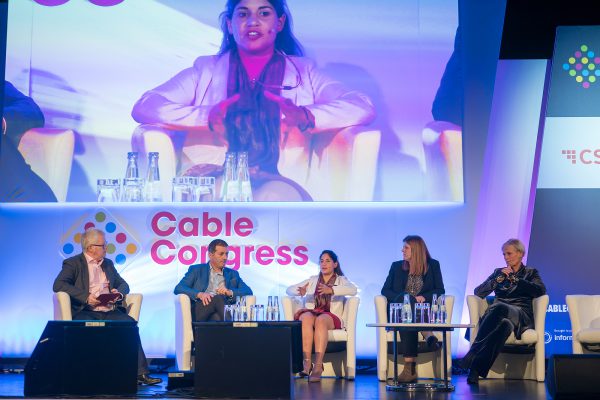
(108, 190)
(184, 188)
(205, 189)
(133, 190)
(395, 313)
(229, 311)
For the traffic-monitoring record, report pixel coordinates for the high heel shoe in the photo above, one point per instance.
(306, 371)
(315, 374)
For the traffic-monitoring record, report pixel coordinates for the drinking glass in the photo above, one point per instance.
(133, 190)
(108, 190)
(260, 312)
(395, 310)
(229, 311)
(425, 314)
(184, 188)
(205, 189)
(418, 318)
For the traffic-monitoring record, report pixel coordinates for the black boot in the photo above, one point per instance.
(473, 378)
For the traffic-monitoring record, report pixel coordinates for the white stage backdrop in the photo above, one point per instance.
(152, 247)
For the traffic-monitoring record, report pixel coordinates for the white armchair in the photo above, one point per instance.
(184, 335)
(339, 363)
(584, 311)
(516, 365)
(429, 364)
(62, 305)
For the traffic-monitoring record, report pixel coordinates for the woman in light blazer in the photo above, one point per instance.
(323, 310)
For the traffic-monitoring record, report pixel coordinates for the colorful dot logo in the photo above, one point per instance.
(121, 246)
(584, 66)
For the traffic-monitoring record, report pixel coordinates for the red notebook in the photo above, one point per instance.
(106, 298)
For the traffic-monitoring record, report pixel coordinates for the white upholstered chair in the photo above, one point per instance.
(184, 334)
(49, 153)
(584, 311)
(62, 306)
(520, 359)
(340, 356)
(331, 166)
(429, 364)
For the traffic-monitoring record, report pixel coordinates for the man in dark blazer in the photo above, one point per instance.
(211, 286)
(87, 275)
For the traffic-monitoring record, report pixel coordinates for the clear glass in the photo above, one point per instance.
(443, 315)
(395, 313)
(229, 312)
(184, 189)
(205, 190)
(275, 308)
(108, 190)
(434, 316)
(133, 190)
(269, 316)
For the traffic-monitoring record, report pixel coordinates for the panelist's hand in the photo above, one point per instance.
(92, 300)
(224, 291)
(506, 270)
(118, 299)
(295, 116)
(302, 290)
(420, 299)
(206, 298)
(217, 114)
(324, 289)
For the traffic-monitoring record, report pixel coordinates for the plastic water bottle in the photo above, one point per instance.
(406, 310)
(243, 177)
(230, 190)
(434, 318)
(443, 314)
(275, 308)
(132, 170)
(152, 190)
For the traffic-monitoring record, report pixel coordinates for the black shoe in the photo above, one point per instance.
(473, 378)
(433, 343)
(146, 379)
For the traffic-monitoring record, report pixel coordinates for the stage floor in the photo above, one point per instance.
(366, 386)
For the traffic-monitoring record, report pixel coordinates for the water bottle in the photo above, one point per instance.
(152, 189)
(132, 170)
(406, 310)
(270, 309)
(434, 318)
(230, 190)
(443, 314)
(243, 177)
(275, 308)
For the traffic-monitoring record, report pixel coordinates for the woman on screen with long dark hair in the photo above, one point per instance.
(258, 94)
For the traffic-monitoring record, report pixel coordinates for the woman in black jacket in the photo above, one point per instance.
(419, 276)
(515, 287)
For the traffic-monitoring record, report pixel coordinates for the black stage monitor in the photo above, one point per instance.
(84, 358)
(574, 376)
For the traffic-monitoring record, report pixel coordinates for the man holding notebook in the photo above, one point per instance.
(97, 290)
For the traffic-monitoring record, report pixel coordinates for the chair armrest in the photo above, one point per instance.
(133, 303)
(288, 307)
(183, 331)
(62, 306)
(250, 300)
(477, 307)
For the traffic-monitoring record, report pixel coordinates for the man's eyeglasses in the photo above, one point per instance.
(99, 245)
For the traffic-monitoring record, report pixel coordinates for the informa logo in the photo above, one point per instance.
(121, 247)
(584, 66)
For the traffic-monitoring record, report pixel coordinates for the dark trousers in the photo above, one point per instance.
(115, 315)
(409, 342)
(495, 327)
(213, 311)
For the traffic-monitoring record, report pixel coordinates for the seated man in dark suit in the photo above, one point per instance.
(86, 276)
(211, 286)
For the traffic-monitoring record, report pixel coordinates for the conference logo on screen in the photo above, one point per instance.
(121, 247)
(585, 156)
(584, 66)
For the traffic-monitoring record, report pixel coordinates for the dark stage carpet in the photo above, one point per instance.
(366, 386)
